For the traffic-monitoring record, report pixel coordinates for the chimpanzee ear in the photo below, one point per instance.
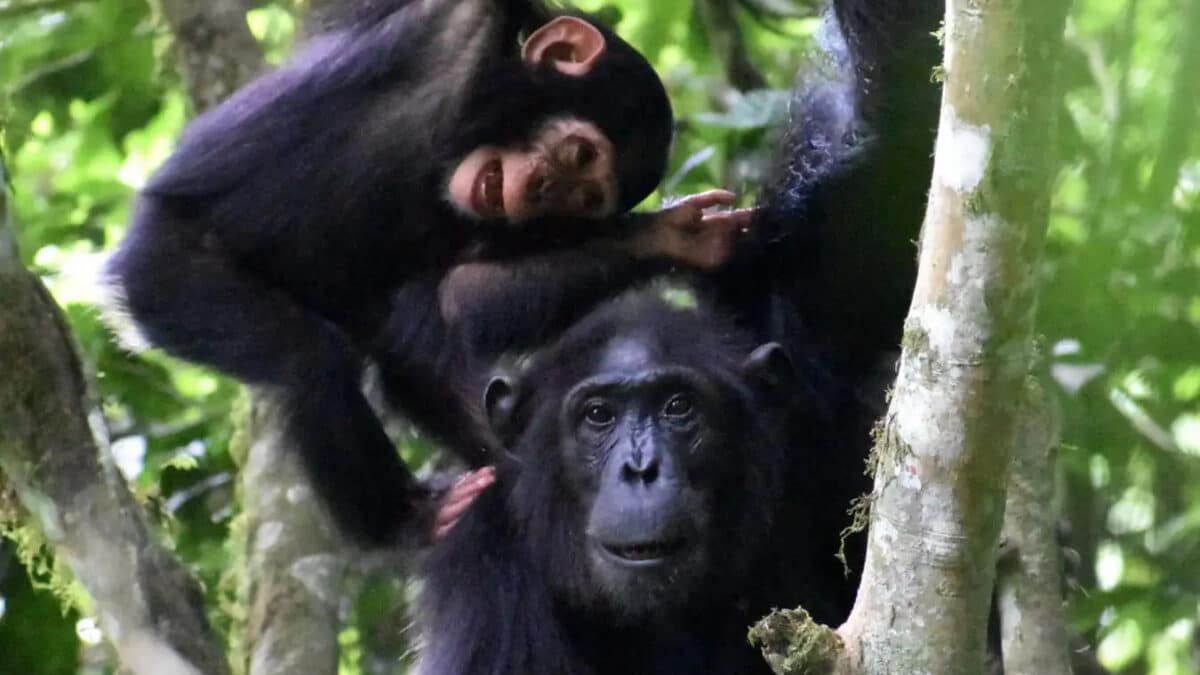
(568, 43)
(499, 399)
(770, 364)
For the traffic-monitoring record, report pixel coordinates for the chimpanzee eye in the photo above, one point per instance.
(680, 405)
(599, 414)
(585, 154)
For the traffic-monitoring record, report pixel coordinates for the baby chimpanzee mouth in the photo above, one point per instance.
(645, 551)
(488, 195)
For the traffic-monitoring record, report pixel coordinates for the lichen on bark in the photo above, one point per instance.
(794, 644)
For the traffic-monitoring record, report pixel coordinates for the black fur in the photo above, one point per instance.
(515, 589)
(305, 215)
(826, 273)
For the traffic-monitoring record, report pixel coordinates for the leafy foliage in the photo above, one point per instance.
(93, 103)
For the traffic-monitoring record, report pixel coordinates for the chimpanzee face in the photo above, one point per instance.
(647, 455)
(566, 170)
(643, 451)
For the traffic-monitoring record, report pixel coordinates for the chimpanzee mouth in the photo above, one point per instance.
(649, 552)
(487, 197)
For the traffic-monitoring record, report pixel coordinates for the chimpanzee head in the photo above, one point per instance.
(577, 123)
(650, 462)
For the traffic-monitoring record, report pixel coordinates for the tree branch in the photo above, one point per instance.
(1033, 629)
(216, 50)
(53, 452)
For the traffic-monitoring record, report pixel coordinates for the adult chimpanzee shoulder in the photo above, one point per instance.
(305, 224)
(684, 456)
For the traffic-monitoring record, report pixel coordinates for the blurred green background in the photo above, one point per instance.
(91, 102)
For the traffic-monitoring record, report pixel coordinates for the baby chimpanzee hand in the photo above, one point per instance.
(460, 496)
(686, 232)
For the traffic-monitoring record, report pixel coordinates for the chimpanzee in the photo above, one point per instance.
(321, 205)
(683, 456)
(632, 533)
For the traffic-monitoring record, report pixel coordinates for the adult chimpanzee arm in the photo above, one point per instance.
(845, 206)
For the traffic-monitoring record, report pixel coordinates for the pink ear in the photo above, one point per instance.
(568, 43)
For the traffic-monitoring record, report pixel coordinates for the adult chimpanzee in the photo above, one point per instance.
(322, 204)
(634, 536)
(683, 456)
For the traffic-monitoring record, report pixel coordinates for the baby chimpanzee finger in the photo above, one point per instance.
(460, 497)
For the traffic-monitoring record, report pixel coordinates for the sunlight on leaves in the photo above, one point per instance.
(1121, 645)
(1110, 565)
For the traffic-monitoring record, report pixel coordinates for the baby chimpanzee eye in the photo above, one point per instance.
(585, 153)
(680, 405)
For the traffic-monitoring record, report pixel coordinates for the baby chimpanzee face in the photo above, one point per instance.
(568, 167)
(566, 170)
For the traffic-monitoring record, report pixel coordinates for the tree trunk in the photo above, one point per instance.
(216, 52)
(944, 447)
(947, 440)
(292, 570)
(54, 453)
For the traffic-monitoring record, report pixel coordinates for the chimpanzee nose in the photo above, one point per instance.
(640, 467)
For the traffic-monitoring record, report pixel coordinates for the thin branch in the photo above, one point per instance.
(1033, 629)
(1123, 54)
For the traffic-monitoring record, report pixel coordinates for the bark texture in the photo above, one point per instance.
(293, 569)
(216, 51)
(944, 447)
(53, 452)
(1033, 628)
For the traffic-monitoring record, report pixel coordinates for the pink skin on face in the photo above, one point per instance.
(473, 184)
(493, 182)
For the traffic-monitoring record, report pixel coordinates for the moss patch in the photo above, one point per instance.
(794, 644)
